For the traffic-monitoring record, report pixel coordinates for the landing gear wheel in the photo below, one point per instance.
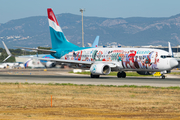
(94, 76)
(121, 74)
(97, 76)
(163, 76)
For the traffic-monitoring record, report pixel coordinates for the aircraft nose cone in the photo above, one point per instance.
(173, 63)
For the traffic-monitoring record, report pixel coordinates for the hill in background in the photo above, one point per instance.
(134, 31)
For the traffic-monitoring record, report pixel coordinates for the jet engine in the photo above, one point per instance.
(50, 64)
(100, 69)
(144, 73)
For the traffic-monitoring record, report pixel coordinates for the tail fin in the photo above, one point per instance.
(170, 49)
(58, 39)
(7, 51)
(96, 41)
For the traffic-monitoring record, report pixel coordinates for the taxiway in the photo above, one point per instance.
(64, 77)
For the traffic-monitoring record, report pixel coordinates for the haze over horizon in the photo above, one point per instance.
(17, 9)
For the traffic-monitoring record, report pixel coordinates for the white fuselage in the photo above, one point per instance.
(138, 59)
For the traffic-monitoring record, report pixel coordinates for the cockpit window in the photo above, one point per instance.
(166, 56)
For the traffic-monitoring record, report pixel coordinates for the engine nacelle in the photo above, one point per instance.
(100, 69)
(144, 73)
(50, 64)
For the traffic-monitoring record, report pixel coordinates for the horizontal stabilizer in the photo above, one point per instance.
(48, 51)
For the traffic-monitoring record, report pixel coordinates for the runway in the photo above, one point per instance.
(85, 79)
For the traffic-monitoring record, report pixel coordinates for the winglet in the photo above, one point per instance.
(7, 51)
(170, 49)
(96, 41)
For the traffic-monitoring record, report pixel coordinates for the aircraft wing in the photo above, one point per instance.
(68, 61)
(111, 64)
(7, 51)
(48, 51)
(7, 58)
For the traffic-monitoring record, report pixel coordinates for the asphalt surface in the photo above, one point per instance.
(61, 76)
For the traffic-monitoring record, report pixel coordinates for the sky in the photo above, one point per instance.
(16, 9)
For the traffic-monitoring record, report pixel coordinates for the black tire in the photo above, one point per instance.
(163, 76)
(97, 76)
(123, 74)
(92, 76)
(119, 74)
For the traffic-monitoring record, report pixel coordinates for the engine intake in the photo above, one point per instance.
(100, 69)
(50, 64)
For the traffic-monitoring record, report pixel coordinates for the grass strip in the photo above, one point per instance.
(175, 73)
(71, 84)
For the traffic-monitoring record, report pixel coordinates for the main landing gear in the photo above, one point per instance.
(121, 74)
(94, 76)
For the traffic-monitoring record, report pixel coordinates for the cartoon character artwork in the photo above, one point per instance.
(148, 58)
(94, 55)
(127, 62)
(147, 61)
(99, 56)
(140, 62)
(131, 58)
(65, 57)
(156, 60)
(109, 56)
(143, 62)
(76, 55)
(128, 59)
(120, 57)
(136, 64)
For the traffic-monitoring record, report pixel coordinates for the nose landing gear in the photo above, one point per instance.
(162, 76)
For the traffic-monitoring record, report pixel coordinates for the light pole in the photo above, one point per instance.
(81, 10)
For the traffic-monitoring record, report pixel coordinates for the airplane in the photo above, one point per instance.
(102, 61)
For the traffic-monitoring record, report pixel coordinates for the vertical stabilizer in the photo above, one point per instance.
(170, 49)
(58, 39)
(96, 41)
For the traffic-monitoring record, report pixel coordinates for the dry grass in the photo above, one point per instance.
(21, 101)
